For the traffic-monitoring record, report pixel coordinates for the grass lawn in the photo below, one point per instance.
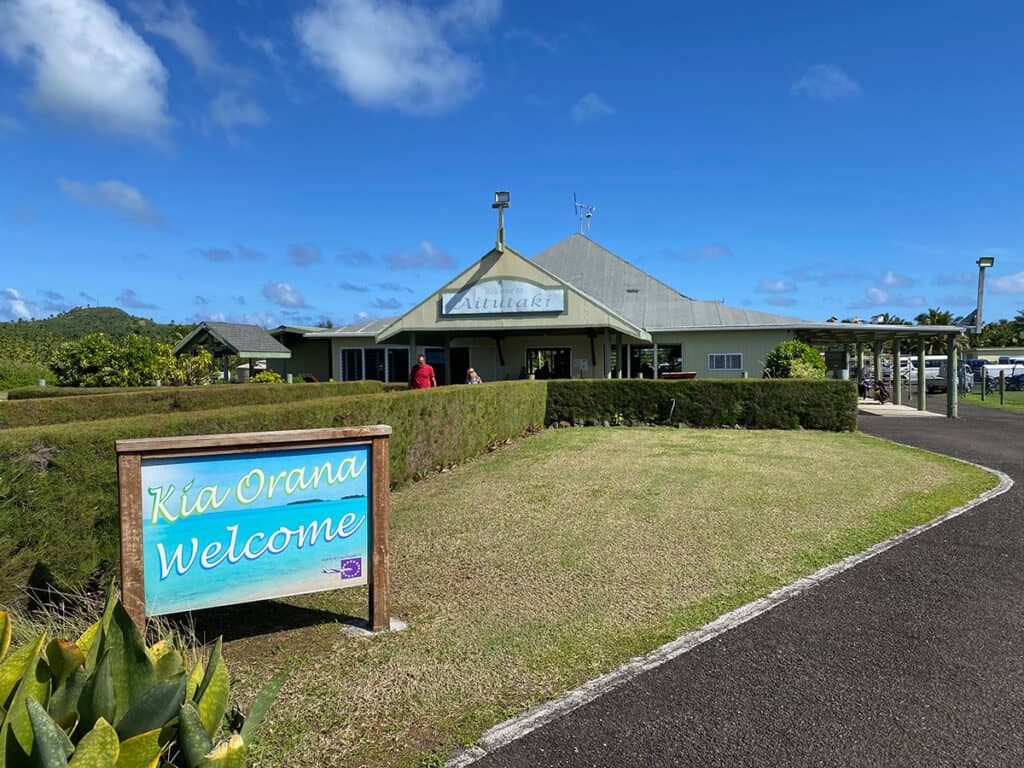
(532, 569)
(1014, 400)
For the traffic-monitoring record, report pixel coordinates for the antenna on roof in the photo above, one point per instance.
(583, 212)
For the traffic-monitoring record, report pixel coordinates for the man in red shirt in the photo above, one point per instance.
(422, 375)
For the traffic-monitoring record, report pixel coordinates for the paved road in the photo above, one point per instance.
(914, 658)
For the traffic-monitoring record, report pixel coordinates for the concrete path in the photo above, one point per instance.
(913, 658)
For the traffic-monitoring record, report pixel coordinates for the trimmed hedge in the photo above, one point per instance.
(33, 392)
(158, 400)
(58, 484)
(752, 403)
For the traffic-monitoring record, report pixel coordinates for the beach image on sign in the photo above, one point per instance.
(233, 528)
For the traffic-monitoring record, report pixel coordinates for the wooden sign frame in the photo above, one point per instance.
(132, 453)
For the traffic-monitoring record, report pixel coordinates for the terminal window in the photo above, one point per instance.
(725, 362)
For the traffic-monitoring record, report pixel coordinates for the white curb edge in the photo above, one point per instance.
(517, 727)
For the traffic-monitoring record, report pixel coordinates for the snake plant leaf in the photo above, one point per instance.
(195, 677)
(213, 692)
(97, 699)
(35, 684)
(193, 740)
(5, 633)
(64, 657)
(261, 704)
(63, 706)
(170, 666)
(215, 657)
(99, 748)
(51, 746)
(152, 710)
(86, 642)
(142, 751)
(227, 754)
(131, 670)
(13, 669)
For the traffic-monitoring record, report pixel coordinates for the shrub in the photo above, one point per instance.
(96, 361)
(154, 400)
(754, 403)
(15, 373)
(793, 360)
(58, 484)
(106, 698)
(267, 377)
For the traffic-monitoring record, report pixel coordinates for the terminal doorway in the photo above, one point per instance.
(549, 363)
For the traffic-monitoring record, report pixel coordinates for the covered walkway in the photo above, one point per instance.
(873, 337)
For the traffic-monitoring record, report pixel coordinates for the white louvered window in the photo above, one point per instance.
(731, 361)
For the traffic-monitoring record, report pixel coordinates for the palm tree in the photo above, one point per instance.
(936, 316)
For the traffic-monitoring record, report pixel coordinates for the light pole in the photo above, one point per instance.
(983, 263)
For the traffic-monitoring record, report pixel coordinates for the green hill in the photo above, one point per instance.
(35, 340)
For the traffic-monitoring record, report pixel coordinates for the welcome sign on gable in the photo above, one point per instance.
(222, 519)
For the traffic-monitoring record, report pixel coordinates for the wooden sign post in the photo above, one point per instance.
(215, 520)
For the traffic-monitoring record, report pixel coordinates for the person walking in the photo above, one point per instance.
(472, 377)
(422, 375)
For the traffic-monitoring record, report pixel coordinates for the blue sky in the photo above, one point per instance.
(335, 159)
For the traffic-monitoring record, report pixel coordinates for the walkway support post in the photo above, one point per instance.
(897, 379)
(877, 375)
(607, 354)
(922, 390)
(655, 374)
(952, 409)
(860, 362)
(618, 355)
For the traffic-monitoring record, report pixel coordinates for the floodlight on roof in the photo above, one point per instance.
(501, 202)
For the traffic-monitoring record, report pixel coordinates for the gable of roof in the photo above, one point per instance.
(581, 310)
(239, 339)
(641, 298)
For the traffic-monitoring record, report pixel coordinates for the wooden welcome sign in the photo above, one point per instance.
(220, 519)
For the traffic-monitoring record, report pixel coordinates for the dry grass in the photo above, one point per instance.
(535, 568)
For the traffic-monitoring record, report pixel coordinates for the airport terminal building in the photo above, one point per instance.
(574, 310)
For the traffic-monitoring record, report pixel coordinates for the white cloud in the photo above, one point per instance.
(589, 108)
(230, 109)
(304, 255)
(115, 196)
(895, 280)
(1008, 283)
(388, 303)
(129, 298)
(427, 255)
(388, 53)
(14, 306)
(87, 65)
(879, 297)
(781, 301)
(8, 123)
(826, 82)
(283, 294)
(178, 25)
(775, 286)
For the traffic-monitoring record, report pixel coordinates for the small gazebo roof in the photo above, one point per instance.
(241, 339)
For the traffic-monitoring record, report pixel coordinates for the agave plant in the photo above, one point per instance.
(107, 700)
